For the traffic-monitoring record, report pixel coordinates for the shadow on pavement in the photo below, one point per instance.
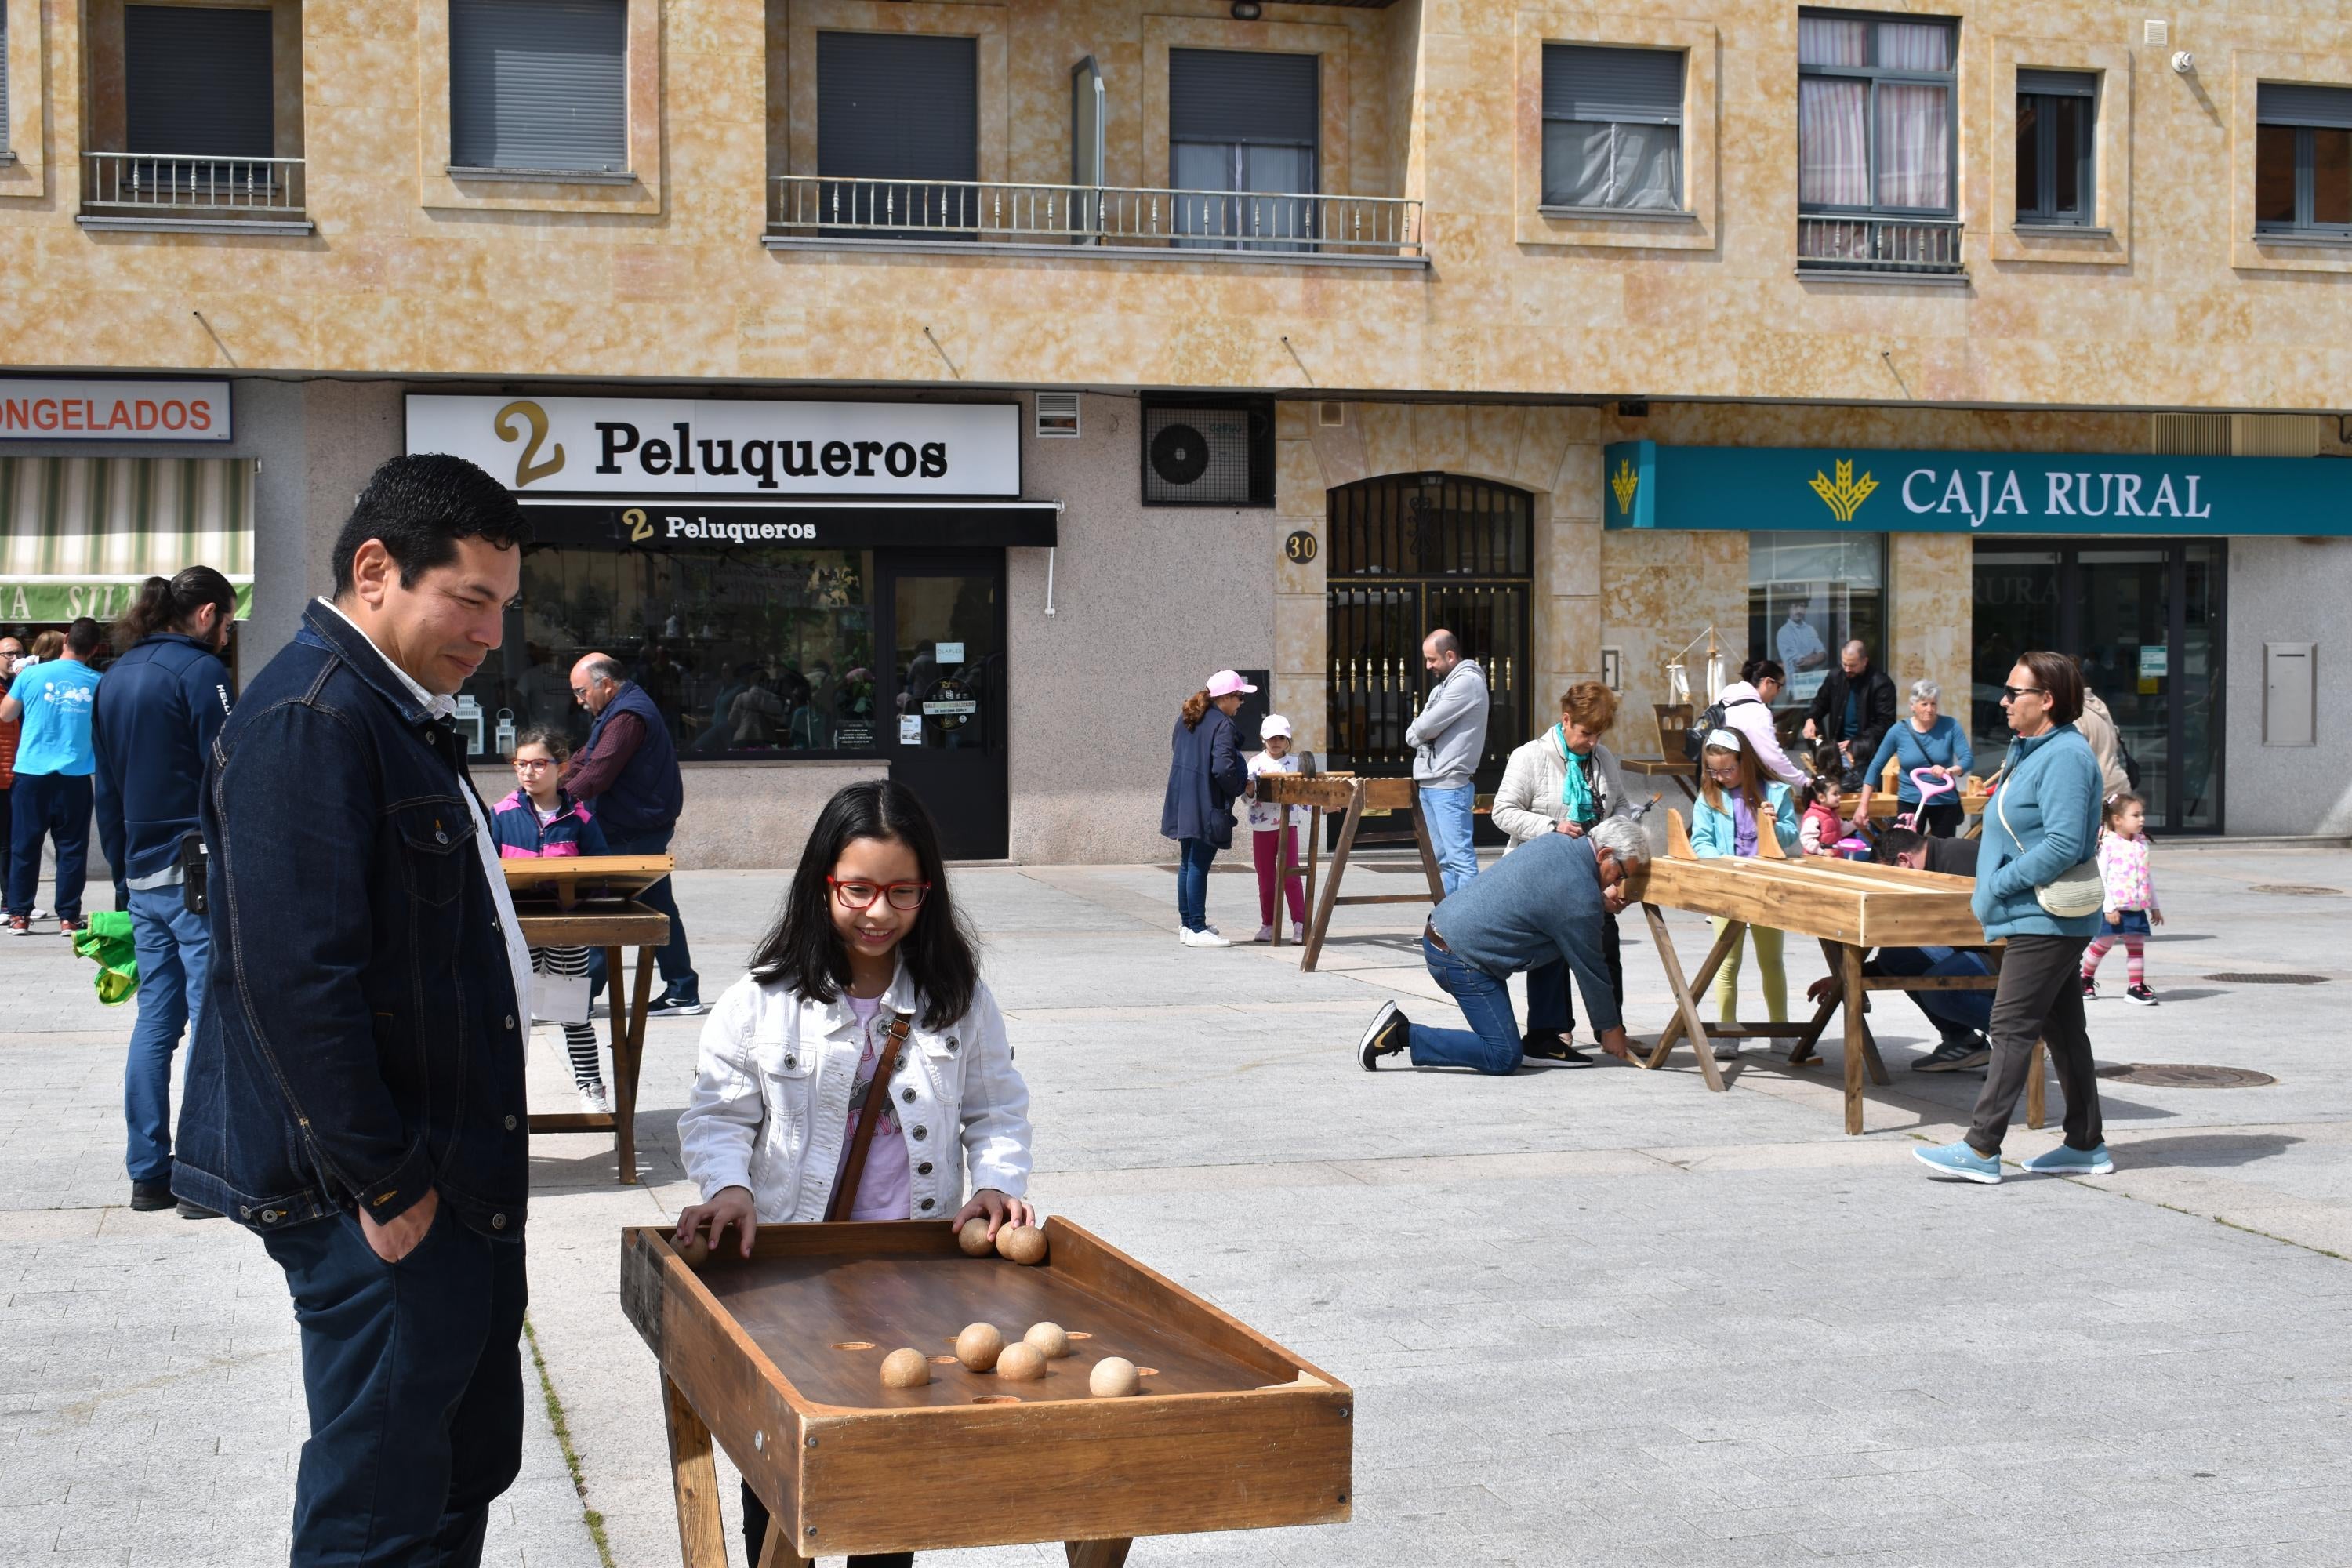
(2190, 1150)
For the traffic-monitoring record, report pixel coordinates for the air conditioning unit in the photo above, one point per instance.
(1057, 415)
(1201, 454)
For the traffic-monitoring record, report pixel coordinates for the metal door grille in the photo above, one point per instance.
(1410, 554)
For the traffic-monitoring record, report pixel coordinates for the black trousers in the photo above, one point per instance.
(1943, 819)
(413, 1372)
(2040, 997)
(755, 1535)
(1551, 995)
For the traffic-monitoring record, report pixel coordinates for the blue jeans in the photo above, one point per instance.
(413, 1374)
(56, 806)
(1447, 812)
(1491, 1044)
(1956, 1009)
(175, 954)
(675, 960)
(1193, 858)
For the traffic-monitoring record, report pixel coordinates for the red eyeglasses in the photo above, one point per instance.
(857, 895)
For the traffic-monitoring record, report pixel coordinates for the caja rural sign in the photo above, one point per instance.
(1771, 488)
(606, 445)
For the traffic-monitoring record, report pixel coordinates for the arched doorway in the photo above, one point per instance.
(1409, 553)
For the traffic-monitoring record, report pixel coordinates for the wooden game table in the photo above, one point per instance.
(587, 901)
(1847, 906)
(1354, 795)
(1683, 775)
(777, 1358)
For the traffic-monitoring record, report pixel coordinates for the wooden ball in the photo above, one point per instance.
(1112, 1378)
(906, 1368)
(696, 1252)
(1049, 1340)
(979, 1346)
(1021, 1363)
(973, 1237)
(1022, 1244)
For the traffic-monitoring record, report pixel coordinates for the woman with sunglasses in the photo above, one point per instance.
(868, 938)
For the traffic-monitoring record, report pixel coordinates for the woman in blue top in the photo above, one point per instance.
(1926, 741)
(1725, 821)
(2043, 822)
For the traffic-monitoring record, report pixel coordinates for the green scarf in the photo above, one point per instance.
(1575, 789)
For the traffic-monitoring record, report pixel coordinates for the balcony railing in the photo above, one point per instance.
(987, 212)
(1906, 245)
(171, 185)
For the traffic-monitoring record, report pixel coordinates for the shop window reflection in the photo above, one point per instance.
(1808, 595)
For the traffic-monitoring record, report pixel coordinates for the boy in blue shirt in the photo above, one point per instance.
(51, 796)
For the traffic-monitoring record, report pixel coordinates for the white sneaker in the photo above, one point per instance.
(1205, 937)
(593, 1100)
(1264, 933)
(1298, 935)
(1726, 1050)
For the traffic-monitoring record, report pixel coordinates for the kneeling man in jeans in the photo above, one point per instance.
(1541, 904)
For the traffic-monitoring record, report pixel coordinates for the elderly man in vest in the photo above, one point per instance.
(628, 773)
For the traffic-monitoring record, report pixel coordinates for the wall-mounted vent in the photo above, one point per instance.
(1208, 454)
(2234, 435)
(1057, 415)
(2189, 435)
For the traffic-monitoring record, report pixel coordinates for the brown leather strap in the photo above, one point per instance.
(877, 1101)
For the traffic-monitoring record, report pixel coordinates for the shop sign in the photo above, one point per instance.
(1768, 488)
(78, 410)
(654, 447)
(39, 599)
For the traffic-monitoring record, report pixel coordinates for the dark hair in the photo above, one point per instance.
(168, 603)
(417, 507)
(2060, 681)
(1895, 842)
(2116, 802)
(1760, 670)
(558, 744)
(806, 954)
(82, 636)
(1196, 708)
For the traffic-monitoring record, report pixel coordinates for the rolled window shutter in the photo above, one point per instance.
(1239, 96)
(2299, 103)
(4, 78)
(539, 84)
(898, 106)
(197, 81)
(2058, 84)
(1588, 81)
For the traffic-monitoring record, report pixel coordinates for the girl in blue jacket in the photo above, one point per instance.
(1726, 821)
(541, 819)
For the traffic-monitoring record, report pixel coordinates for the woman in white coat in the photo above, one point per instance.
(1748, 708)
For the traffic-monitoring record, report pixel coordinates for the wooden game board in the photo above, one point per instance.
(777, 1358)
(1354, 795)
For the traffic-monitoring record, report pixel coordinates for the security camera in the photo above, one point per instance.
(2183, 62)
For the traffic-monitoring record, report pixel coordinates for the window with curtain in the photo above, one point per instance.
(1874, 128)
(1612, 127)
(2055, 111)
(1246, 122)
(539, 85)
(2302, 158)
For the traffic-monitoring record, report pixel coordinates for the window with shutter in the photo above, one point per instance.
(1612, 127)
(1248, 123)
(197, 81)
(2302, 158)
(2056, 114)
(539, 85)
(896, 112)
(4, 79)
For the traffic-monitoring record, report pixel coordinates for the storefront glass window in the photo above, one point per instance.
(749, 653)
(1809, 594)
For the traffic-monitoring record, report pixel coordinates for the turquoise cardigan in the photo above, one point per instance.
(2049, 802)
(1711, 830)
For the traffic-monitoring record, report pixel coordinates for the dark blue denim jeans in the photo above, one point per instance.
(174, 951)
(55, 806)
(672, 957)
(1953, 1009)
(413, 1372)
(1491, 1044)
(1193, 858)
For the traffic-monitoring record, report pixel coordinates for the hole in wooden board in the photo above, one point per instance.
(1147, 1372)
(998, 1399)
(1079, 1334)
(852, 1344)
(943, 1361)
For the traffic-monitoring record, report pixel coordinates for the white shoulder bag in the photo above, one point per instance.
(2074, 892)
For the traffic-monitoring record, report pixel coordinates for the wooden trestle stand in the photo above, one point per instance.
(590, 900)
(1849, 906)
(1355, 795)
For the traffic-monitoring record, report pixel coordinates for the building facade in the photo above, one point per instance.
(946, 389)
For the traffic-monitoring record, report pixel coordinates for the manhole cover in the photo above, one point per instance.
(2182, 1075)
(2236, 979)
(2296, 889)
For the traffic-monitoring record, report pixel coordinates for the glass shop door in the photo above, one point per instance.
(947, 702)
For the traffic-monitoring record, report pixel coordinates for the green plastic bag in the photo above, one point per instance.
(106, 940)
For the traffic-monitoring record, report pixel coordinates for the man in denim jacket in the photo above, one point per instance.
(355, 1090)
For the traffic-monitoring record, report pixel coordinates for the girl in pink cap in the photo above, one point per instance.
(1205, 777)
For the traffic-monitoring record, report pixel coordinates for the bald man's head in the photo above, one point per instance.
(1440, 652)
(596, 680)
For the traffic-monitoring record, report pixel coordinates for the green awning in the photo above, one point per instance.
(78, 535)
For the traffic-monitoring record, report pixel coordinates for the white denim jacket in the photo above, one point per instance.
(770, 1106)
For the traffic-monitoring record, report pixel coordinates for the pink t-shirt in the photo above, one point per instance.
(883, 1191)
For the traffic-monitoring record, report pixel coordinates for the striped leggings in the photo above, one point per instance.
(579, 1039)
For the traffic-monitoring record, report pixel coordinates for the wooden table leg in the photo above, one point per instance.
(774, 1554)
(1685, 1008)
(1717, 956)
(1850, 983)
(2037, 1097)
(1096, 1554)
(1339, 853)
(624, 1069)
(701, 1531)
(1802, 1051)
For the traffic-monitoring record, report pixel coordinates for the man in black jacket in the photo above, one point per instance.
(1853, 709)
(355, 1090)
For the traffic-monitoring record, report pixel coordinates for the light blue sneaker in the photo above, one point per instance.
(2066, 1161)
(1959, 1160)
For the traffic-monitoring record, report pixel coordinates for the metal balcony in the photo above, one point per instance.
(149, 190)
(1838, 244)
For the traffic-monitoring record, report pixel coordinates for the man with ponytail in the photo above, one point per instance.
(157, 712)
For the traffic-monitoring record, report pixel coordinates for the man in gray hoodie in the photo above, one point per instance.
(1448, 738)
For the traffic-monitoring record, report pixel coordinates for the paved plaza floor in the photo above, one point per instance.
(1593, 1317)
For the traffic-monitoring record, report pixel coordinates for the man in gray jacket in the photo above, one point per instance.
(1448, 738)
